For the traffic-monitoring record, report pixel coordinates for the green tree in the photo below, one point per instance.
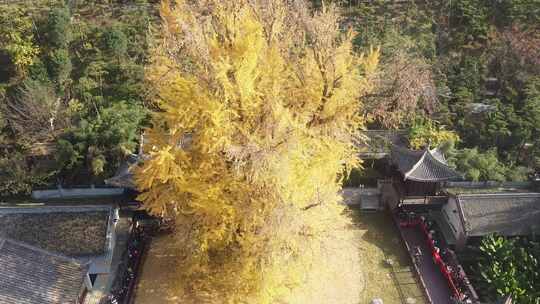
(469, 24)
(60, 66)
(115, 41)
(76, 81)
(16, 177)
(531, 114)
(38, 71)
(97, 145)
(17, 37)
(510, 267)
(478, 166)
(425, 132)
(3, 132)
(58, 28)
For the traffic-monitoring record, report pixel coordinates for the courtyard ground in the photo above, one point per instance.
(157, 275)
(378, 241)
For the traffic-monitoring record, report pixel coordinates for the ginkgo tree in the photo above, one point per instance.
(257, 117)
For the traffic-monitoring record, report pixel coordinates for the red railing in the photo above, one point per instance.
(417, 222)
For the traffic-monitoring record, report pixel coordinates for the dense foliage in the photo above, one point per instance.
(427, 133)
(463, 75)
(509, 267)
(470, 65)
(71, 90)
(258, 111)
(484, 166)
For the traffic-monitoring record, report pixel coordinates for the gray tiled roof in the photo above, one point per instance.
(29, 275)
(69, 230)
(422, 165)
(124, 176)
(509, 214)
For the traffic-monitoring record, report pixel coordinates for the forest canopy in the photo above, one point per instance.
(470, 67)
(72, 93)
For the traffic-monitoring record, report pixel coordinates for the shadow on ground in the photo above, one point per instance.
(379, 242)
(157, 277)
(377, 239)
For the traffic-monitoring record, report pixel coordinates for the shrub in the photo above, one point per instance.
(58, 28)
(115, 41)
(16, 177)
(510, 267)
(60, 66)
(425, 131)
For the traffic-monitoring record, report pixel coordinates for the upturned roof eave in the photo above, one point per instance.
(429, 154)
(439, 179)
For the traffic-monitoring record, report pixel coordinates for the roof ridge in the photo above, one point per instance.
(56, 209)
(442, 163)
(435, 158)
(500, 194)
(418, 163)
(461, 214)
(421, 165)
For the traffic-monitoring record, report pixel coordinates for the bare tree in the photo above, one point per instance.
(524, 43)
(35, 113)
(403, 87)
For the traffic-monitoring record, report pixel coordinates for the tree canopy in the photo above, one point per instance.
(258, 113)
(71, 80)
(470, 65)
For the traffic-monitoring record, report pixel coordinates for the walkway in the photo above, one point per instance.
(104, 283)
(435, 283)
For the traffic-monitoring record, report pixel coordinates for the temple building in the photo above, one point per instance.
(83, 234)
(30, 275)
(472, 213)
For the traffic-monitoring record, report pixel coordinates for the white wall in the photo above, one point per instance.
(75, 193)
(450, 212)
(389, 195)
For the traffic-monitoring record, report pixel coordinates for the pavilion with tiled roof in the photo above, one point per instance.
(421, 171)
(422, 165)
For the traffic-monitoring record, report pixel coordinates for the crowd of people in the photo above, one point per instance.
(125, 283)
